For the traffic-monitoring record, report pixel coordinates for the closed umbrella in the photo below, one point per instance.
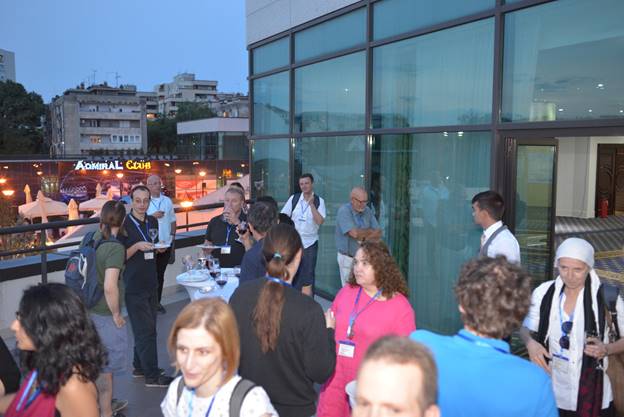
(28, 194)
(73, 213)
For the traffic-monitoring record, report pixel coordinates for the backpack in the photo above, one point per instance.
(295, 200)
(236, 400)
(81, 272)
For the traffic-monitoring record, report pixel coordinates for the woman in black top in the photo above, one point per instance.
(287, 343)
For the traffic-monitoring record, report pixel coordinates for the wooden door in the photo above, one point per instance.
(610, 178)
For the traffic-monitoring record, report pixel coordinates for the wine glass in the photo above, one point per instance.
(153, 234)
(241, 230)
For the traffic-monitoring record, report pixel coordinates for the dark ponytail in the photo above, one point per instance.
(280, 248)
(112, 215)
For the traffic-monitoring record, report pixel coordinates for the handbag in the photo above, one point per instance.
(615, 369)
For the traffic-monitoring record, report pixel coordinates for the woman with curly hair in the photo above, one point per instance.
(372, 304)
(61, 355)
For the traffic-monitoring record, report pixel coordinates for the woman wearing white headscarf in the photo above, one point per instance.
(563, 312)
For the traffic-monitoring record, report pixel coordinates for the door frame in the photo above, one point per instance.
(511, 143)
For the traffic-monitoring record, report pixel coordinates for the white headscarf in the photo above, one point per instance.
(576, 248)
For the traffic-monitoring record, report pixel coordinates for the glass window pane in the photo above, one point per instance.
(334, 35)
(270, 168)
(444, 78)
(393, 17)
(334, 177)
(270, 107)
(330, 95)
(271, 55)
(422, 186)
(563, 61)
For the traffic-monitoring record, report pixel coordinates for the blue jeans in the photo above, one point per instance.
(142, 314)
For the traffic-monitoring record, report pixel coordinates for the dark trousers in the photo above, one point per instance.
(142, 314)
(306, 273)
(605, 412)
(162, 260)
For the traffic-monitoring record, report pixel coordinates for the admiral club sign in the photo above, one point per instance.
(115, 165)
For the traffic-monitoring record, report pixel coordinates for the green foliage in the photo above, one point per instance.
(20, 120)
(162, 133)
(15, 241)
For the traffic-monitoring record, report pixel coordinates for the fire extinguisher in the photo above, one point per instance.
(604, 208)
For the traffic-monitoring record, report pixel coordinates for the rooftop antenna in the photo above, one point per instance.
(94, 74)
(117, 77)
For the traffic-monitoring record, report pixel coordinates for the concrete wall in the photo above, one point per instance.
(576, 174)
(11, 291)
(266, 18)
(7, 72)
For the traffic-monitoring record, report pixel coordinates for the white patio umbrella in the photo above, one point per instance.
(28, 194)
(95, 204)
(73, 213)
(43, 207)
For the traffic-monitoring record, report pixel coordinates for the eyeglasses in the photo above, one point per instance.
(566, 328)
(360, 201)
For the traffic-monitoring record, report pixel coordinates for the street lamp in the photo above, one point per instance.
(186, 205)
(8, 193)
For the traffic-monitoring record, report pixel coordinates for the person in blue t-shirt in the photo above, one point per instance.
(477, 374)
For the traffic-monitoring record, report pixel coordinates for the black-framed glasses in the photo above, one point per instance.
(566, 328)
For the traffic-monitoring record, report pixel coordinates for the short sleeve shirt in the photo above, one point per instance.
(348, 219)
(164, 204)
(221, 233)
(140, 273)
(108, 255)
(304, 220)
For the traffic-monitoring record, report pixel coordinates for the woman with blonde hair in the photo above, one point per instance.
(205, 346)
(373, 304)
(287, 341)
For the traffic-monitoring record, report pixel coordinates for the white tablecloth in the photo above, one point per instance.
(194, 288)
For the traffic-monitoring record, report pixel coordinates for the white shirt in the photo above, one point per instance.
(504, 243)
(304, 220)
(255, 404)
(163, 203)
(565, 386)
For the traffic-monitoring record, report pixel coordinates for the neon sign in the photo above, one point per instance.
(115, 165)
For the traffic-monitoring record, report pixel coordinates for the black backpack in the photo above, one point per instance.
(295, 200)
(236, 400)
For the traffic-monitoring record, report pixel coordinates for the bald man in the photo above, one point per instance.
(355, 223)
(161, 207)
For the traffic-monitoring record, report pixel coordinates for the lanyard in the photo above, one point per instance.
(278, 281)
(34, 395)
(209, 407)
(482, 344)
(138, 226)
(355, 313)
(227, 235)
(159, 202)
(303, 210)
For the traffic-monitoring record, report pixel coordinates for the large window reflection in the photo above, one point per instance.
(563, 61)
(444, 78)
(270, 168)
(340, 33)
(270, 106)
(393, 17)
(272, 55)
(337, 164)
(422, 185)
(330, 95)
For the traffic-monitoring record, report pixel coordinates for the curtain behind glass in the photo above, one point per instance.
(424, 185)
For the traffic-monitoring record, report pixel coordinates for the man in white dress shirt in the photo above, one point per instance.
(308, 212)
(487, 209)
(161, 207)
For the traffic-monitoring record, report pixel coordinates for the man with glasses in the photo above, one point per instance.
(355, 223)
(566, 332)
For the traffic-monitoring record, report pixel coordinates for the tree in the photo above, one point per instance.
(162, 133)
(21, 113)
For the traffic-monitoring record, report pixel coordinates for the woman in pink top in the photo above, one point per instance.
(373, 304)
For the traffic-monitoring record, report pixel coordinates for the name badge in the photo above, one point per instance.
(148, 255)
(301, 219)
(346, 348)
(225, 250)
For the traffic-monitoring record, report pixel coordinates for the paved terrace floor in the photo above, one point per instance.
(143, 401)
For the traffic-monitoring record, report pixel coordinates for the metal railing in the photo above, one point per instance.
(43, 248)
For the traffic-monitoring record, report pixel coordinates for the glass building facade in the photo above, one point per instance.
(420, 103)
